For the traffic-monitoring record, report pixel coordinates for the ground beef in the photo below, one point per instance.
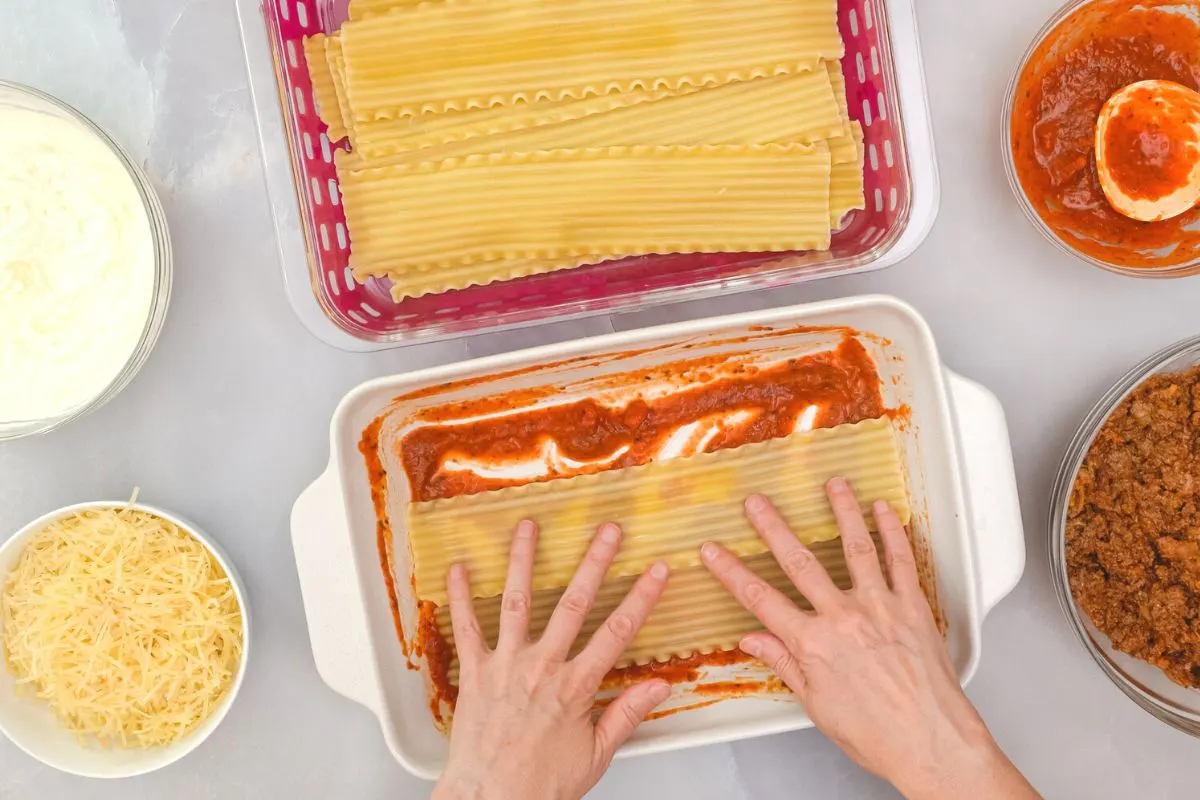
(1133, 532)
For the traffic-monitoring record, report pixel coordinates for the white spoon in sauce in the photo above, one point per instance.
(1148, 150)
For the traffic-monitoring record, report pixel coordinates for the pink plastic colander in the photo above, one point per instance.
(885, 90)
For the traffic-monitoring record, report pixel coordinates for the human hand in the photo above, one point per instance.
(869, 664)
(523, 723)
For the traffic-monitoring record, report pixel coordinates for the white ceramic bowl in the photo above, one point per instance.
(31, 725)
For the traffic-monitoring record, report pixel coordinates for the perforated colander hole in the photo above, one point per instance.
(324, 236)
(874, 156)
(348, 277)
(868, 15)
(403, 317)
(367, 308)
(893, 198)
(534, 298)
(302, 13)
(879, 200)
(333, 283)
(335, 197)
(301, 106)
(866, 107)
(874, 60)
(308, 149)
(340, 230)
(357, 317)
(887, 153)
(326, 150)
(853, 22)
(316, 191)
(881, 106)
(284, 11)
(862, 67)
(574, 291)
(291, 54)
(443, 312)
(488, 305)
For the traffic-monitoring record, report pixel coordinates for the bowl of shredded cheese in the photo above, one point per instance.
(85, 264)
(124, 635)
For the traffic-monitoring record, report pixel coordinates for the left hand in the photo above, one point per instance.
(523, 724)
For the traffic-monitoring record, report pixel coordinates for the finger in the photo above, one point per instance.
(798, 562)
(609, 642)
(468, 638)
(771, 650)
(901, 564)
(623, 715)
(772, 608)
(514, 606)
(862, 559)
(576, 602)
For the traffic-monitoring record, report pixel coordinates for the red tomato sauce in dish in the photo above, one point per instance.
(1099, 49)
(843, 383)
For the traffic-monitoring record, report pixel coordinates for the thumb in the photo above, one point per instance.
(770, 650)
(623, 715)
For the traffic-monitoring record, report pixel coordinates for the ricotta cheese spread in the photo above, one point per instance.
(76, 265)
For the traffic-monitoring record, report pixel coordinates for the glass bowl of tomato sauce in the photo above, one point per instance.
(1089, 50)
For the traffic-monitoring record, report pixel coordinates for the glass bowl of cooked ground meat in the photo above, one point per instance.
(1125, 535)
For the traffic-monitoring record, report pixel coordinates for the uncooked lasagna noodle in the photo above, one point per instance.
(695, 614)
(846, 192)
(783, 109)
(417, 283)
(389, 137)
(365, 8)
(842, 148)
(324, 93)
(666, 509)
(337, 69)
(566, 204)
(461, 54)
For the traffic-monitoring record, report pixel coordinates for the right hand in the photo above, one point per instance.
(869, 664)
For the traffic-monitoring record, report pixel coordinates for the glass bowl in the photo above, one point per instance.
(1068, 9)
(23, 97)
(1146, 685)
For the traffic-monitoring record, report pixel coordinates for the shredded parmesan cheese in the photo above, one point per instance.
(125, 624)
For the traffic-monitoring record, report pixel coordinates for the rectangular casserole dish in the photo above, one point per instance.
(956, 447)
(886, 92)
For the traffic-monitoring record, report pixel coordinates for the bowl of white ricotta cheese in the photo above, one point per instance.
(85, 264)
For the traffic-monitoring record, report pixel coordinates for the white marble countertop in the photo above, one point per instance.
(227, 421)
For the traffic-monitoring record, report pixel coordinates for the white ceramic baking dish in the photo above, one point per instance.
(958, 457)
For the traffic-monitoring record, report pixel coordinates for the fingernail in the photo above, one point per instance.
(458, 571)
(709, 551)
(610, 534)
(525, 529)
(750, 647)
(756, 503)
(882, 507)
(837, 485)
(660, 692)
(660, 571)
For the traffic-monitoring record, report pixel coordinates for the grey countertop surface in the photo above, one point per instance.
(227, 421)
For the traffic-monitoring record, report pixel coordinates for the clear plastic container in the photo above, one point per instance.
(1146, 685)
(886, 91)
(16, 96)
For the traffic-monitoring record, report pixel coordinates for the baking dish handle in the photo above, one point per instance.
(991, 484)
(329, 585)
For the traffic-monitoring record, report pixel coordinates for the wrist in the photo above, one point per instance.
(977, 769)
